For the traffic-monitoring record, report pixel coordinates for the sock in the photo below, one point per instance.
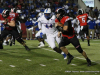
(25, 46)
(63, 54)
(88, 60)
(69, 55)
(88, 41)
(4, 40)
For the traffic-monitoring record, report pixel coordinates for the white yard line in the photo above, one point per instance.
(0, 60)
(56, 59)
(42, 65)
(74, 64)
(28, 59)
(11, 65)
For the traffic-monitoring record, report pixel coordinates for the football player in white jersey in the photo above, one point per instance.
(39, 35)
(47, 23)
(98, 28)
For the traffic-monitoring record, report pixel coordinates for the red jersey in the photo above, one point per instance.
(82, 19)
(70, 32)
(14, 15)
(9, 19)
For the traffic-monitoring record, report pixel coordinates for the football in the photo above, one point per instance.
(60, 24)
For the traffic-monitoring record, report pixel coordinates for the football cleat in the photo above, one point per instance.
(82, 38)
(70, 59)
(26, 47)
(41, 45)
(88, 44)
(11, 43)
(89, 63)
(1, 46)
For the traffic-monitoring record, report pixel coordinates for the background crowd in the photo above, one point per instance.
(31, 8)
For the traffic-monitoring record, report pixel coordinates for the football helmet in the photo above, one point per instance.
(47, 13)
(61, 12)
(80, 11)
(13, 10)
(19, 11)
(5, 13)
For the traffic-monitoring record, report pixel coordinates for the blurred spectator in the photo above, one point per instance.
(98, 28)
(92, 27)
(19, 5)
(30, 1)
(87, 10)
(29, 28)
(91, 13)
(99, 12)
(96, 12)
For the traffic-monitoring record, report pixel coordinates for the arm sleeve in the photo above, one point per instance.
(1, 21)
(77, 21)
(39, 25)
(90, 18)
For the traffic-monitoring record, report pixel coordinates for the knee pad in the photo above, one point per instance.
(79, 49)
(20, 40)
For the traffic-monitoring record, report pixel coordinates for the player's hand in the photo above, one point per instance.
(56, 24)
(59, 34)
(6, 20)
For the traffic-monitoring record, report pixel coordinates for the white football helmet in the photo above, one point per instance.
(47, 13)
(47, 10)
(18, 11)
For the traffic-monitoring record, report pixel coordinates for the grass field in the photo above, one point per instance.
(15, 60)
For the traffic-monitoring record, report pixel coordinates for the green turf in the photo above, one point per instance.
(18, 57)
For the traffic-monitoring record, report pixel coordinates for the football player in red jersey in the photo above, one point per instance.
(82, 20)
(14, 15)
(68, 35)
(10, 28)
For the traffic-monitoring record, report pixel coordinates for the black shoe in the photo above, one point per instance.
(89, 63)
(7, 43)
(88, 44)
(82, 38)
(10, 43)
(39, 44)
(1, 46)
(27, 48)
(70, 59)
(13, 43)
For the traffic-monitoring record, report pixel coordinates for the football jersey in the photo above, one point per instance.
(70, 33)
(9, 19)
(14, 15)
(47, 25)
(82, 19)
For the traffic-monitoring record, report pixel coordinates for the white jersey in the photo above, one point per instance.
(73, 22)
(47, 25)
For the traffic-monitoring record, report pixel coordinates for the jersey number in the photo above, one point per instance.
(83, 20)
(49, 26)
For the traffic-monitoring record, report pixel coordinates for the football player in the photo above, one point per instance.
(82, 20)
(63, 24)
(10, 28)
(47, 23)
